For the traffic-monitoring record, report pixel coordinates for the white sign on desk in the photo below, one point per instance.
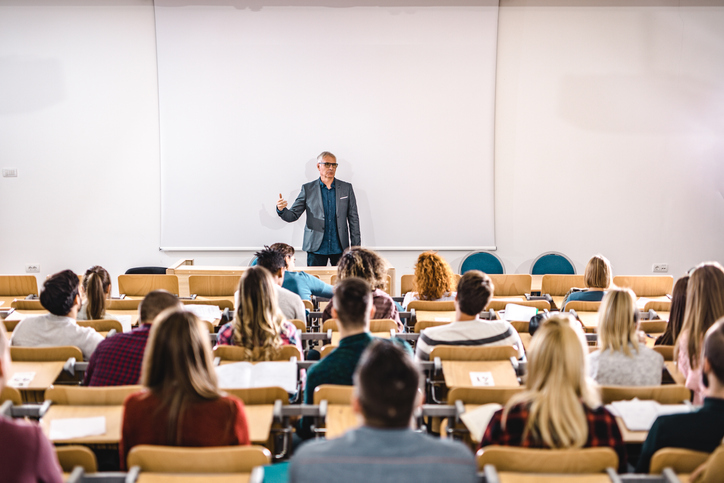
(21, 379)
(61, 429)
(482, 379)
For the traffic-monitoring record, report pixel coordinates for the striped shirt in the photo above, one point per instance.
(472, 333)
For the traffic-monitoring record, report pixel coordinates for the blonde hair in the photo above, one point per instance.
(365, 264)
(433, 276)
(178, 367)
(556, 387)
(598, 272)
(704, 306)
(617, 322)
(258, 318)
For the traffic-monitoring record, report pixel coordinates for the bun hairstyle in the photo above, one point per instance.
(96, 286)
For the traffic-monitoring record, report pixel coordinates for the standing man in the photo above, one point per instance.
(332, 219)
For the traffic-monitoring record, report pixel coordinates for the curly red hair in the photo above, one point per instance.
(433, 276)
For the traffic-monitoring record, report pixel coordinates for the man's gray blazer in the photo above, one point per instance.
(310, 200)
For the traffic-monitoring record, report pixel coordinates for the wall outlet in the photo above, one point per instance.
(10, 172)
(32, 268)
(661, 267)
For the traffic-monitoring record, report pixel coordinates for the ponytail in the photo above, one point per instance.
(96, 284)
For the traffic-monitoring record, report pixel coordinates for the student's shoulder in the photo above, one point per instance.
(442, 447)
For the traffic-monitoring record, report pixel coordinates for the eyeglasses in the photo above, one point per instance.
(330, 165)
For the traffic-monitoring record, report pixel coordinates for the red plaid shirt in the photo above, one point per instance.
(117, 360)
(602, 431)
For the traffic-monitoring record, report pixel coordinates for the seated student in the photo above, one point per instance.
(26, 455)
(676, 315)
(96, 289)
(60, 297)
(117, 360)
(385, 449)
(352, 306)
(181, 404)
(597, 278)
(474, 291)
(434, 280)
(290, 303)
(367, 265)
(704, 306)
(301, 283)
(621, 359)
(703, 429)
(259, 325)
(558, 409)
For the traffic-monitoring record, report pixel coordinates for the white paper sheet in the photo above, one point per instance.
(477, 420)
(62, 429)
(204, 312)
(641, 302)
(21, 379)
(240, 375)
(519, 312)
(640, 415)
(125, 321)
(482, 379)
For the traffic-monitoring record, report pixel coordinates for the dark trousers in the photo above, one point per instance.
(317, 260)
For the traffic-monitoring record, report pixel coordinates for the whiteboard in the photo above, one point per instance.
(403, 95)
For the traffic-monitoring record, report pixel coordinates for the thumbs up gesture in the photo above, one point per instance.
(281, 203)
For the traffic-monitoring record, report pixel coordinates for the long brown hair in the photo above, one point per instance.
(433, 276)
(676, 317)
(704, 306)
(258, 318)
(178, 367)
(96, 284)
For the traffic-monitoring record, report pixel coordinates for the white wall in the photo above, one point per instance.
(609, 125)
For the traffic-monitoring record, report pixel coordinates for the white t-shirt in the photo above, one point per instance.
(54, 330)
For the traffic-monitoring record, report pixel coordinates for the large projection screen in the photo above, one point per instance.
(402, 92)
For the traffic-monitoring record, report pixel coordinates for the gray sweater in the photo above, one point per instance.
(610, 368)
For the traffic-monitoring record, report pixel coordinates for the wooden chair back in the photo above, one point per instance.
(122, 304)
(330, 324)
(521, 326)
(74, 455)
(176, 459)
(299, 324)
(483, 395)
(665, 350)
(11, 394)
(432, 306)
(18, 285)
(45, 354)
(214, 285)
(260, 395)
(646, 285)
(221, 303)
(558, 285)
(102, 325)
(564, 461)
(89, 396)
(407, 283)
(326, 350)
(27, 305)
(463, 353)
(383, 325)
(511, 284)
(308, 305)
(424, 324)
(234, 353)
(580, 306)
(658, 305)
(333, 394)
(665, 394)
(141, 285)
(653, 326)
(714, 467)
(682, 461)
(500, 304)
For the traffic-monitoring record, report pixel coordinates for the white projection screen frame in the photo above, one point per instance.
(402, 92)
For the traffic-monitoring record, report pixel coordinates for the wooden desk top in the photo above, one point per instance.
(113, 415)
(457, 373)
(677, 376)
(508, 477)
(259, 417)
(210, 478)
(340, 419)
(525, 338)
(45, 374)
(435, 316)
(630, 436)
(589, 320)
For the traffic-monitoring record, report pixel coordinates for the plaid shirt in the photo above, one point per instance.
(117, 360)
(602, 431)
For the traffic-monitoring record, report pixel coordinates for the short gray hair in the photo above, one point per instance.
(326, 154)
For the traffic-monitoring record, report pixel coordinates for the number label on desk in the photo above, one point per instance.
(21, 379)
(482, 379)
